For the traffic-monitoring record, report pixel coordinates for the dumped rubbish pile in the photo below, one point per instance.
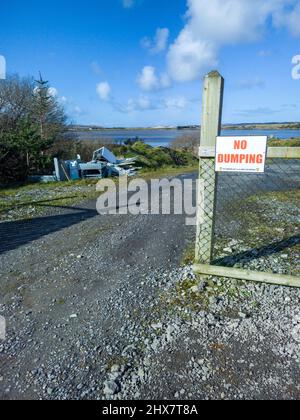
(104, 164)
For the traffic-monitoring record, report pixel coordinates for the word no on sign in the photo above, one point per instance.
(241, 154)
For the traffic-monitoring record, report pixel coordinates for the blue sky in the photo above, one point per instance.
(141, 62)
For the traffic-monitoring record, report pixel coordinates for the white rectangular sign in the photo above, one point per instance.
(241, 154)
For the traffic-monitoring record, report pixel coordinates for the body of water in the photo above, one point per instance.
(165, 137)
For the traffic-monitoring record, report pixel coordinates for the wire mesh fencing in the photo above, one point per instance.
(257, 219)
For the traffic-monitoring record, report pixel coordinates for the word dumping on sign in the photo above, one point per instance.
(241, 154)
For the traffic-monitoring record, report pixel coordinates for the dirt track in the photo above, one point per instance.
(76, 291)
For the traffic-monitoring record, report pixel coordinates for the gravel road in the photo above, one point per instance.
(98, 307)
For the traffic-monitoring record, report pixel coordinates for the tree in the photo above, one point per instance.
(47, 111)
(14, 154)
(16, 99)
(31, 120)
(189, 143)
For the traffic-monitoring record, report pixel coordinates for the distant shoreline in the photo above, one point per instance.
(254, 126)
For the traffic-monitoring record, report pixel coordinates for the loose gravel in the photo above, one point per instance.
(166, 335)
(99, 308)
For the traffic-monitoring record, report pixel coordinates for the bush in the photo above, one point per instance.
(131, 142)
(156, 157)
(293, 142)
(31, 121)
(15, 169)
(187, 142)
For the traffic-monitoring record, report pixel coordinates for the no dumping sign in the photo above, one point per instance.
(241, 154)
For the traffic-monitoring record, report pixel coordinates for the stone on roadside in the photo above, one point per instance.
(111, 388)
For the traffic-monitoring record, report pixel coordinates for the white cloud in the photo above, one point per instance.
(257, 112)
(161, 40)
(2, 67)
(264, 53)
(188, 56)
(78, 111)
(72, 108)
(144, 103)
(52, 91)
(128, 4)
(165, 81)
(289, 18)
(289, 106)
(104, 91)
(213, 24)
(251, 84)
(148, 79)
(146, 43)
(96, 68)
(179, 102)
(294, 21)
(159, 43)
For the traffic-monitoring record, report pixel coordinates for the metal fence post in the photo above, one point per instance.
(210, 129)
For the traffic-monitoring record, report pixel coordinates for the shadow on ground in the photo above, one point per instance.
(17, 233)
(256, 253)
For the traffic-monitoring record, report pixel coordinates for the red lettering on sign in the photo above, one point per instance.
(235, 158)
(244, 145)
(260, 159)
(252, 159)
(240, 145)
(240, 158)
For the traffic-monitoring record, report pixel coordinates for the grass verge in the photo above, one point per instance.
(293, 142)
(32, 200)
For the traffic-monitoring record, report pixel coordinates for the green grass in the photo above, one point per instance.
(293, 142)
(262, 220)
(44, 186)
(62, 194)
(291, 196)
(261, 224)
(41, 196)
(167, 171)
(188, 255)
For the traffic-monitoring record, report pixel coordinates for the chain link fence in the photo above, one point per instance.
(257, 219)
